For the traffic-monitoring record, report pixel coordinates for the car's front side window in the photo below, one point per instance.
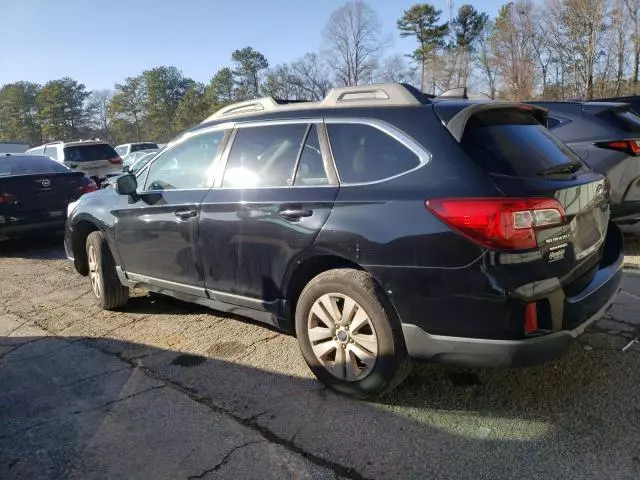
(264, 156)
(189, 165)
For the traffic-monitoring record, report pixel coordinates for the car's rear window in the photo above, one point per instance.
(143, 146)
(625, 119)
(29, 165)
(89, 153)
(513, 142)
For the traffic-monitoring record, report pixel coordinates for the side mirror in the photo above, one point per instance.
(126, 184)
(126, 169)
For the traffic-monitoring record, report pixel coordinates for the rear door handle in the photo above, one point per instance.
(186, 214)
(295, 213)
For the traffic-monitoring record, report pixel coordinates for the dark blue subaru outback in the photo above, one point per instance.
(378, 225)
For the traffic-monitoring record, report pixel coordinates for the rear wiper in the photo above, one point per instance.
(569, 167)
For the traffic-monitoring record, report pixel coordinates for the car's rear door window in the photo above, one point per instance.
(89, 153)
(264, 156)
(364, 153)
(512, 142)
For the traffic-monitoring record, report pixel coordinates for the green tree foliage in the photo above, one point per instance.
(165, 87)
(221, 89)
(19, 112)
(127, 108)
(422, 22)
(193, 108)
(467, 27)
(248, 64)
(62, 109)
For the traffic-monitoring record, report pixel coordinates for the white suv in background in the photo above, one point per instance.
(127, 148)
(93, 157)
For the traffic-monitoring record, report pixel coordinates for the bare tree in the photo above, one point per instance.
(487, 62)
(354, 43)
(98, 107)
(311, 77)
(395, 69)
(633, 7)
(513, 48)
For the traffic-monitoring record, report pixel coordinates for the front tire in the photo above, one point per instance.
(105, 285)
(350, 335)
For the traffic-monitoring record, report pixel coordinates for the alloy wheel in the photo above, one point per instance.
(342, 337)
(94, 272)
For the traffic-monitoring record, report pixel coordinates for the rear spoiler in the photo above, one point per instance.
(456, 121)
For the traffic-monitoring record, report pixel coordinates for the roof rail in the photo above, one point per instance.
(463, 93)
(55, 142)
(392, 94)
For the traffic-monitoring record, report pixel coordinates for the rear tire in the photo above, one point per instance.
(350, 335)
(105, 284)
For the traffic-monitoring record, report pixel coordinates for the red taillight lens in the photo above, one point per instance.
(531, 318)
(499, 223)
(630, 147)
(89, 187)
(116, 160)
(7, 199)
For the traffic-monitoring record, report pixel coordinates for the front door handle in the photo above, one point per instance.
(186, 214)
(295, 213)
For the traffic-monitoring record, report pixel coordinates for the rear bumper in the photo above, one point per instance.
(591, 304)
(8, 230)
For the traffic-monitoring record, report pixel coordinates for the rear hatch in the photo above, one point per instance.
(552, 206)
(37, 189)
(95, 159)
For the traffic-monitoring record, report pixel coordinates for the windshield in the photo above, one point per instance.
(512, 142)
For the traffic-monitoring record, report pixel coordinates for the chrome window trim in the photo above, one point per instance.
(424, 157)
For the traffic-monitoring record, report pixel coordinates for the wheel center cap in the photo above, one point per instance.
(342, 336)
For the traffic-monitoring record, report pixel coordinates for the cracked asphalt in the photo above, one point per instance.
(164, 389)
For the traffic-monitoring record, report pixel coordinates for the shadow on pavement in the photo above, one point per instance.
(80, 407)
(41, 246)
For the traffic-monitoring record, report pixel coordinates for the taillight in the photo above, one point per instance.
(7, 199)
(630, 147)
(499, 223)
(89, 187)
(116, 160)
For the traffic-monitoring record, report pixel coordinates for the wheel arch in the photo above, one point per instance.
(306, 270)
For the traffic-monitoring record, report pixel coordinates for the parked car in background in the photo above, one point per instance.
(35, 192)
(378, 225)
(127, 148)
(13, 147)
(142, 160)
(133, 157)
(606, 135)
(632, 100)
(93, 157)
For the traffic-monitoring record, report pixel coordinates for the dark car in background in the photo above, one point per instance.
(377, 225)
(606, 136)
(34, 193)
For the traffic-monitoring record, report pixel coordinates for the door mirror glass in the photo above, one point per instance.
(126, 184)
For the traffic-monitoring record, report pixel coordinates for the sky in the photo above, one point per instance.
(101, 42)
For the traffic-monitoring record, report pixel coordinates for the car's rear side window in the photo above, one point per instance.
(625, 119)
(89, 153)
(23, 165)
(364, 153)
(512, 142)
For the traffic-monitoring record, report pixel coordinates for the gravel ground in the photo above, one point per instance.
(244, 391)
